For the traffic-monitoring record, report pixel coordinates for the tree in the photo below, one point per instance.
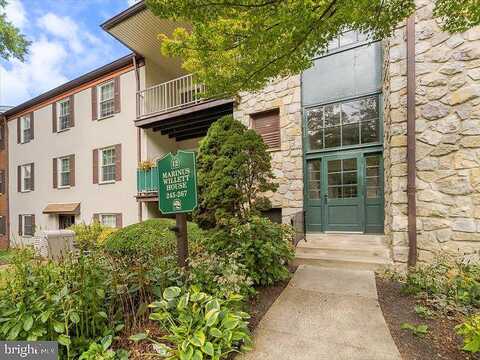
(12, 42)
(239, 45)
(233, 172)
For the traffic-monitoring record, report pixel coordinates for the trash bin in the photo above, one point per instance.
(55, 244)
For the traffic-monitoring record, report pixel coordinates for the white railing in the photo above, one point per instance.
(169, 95)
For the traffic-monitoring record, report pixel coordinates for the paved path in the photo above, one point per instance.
(325, 313)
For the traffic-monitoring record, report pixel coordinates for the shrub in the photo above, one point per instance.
(470, 331)
(91, 236)
(199, 326)
(220, 276)
(264, 248)
(68, 301)
(234, 172)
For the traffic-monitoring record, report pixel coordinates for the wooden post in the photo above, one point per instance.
(182, 239)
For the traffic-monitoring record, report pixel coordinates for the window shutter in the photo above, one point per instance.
(118, 220)
(267, 125)
(19, 178)
(54, 117)
(20, 225)
(2, 135)
(3, 225)
(19, 131)
(32, 169)
(33, 224)
(118, 162)
(72, 110)
(2, 181)
(32, 127)
(55, 173)
(116, 100)
(72, 170)
(95, 166)
(96, 218)
(94, 103)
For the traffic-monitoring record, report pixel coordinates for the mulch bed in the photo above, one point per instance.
(440, 342)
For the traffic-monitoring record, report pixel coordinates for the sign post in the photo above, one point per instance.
(177, 194)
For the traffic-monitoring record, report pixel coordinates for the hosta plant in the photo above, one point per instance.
(199, 326)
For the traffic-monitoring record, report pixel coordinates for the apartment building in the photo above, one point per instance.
(372, 139)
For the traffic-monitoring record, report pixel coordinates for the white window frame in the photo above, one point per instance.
(23, 121)
(60, 172)
(23, 177)
(60, 115)
(111, 99)
(102, 166)
(102, 219)
(24, 232)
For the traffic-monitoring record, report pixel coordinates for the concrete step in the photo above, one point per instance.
(346, 239)
(345, 262)
(377, 251)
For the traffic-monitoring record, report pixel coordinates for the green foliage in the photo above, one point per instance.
(417, 330)
(91, 236)
(99, 351)
(220, 276)
(68, 302)
(457, 15)
(470, 331)
(446, 283)
(264, 248)
(234, 170)
(200, 326)
(12, 42)
(423, 312)
(6, 255)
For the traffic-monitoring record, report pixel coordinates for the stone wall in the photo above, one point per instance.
(447, 139)
(288, 161)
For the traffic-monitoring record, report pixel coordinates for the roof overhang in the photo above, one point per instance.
(66, 208)
(138, 29)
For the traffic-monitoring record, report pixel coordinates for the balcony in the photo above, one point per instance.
(147, 182)
(168, 96)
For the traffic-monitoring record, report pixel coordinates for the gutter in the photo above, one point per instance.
(411, 162)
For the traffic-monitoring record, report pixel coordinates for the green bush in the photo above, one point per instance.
(234, 173)
(199, 326)
(91, 236)
(447, 282)
(264, 248)
(470, 331)
(68, 301)
(220, 276)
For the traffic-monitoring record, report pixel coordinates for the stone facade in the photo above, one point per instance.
(287, 162)
(447, 139)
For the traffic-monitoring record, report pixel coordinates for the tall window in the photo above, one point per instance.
(25, 129)
(108, 164)
(106, 104)
(64, 171)
(64, 114)
(26, 177)
(27, 226)
(349, 123)
(109, 220)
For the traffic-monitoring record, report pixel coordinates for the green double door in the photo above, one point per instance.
(344, 192)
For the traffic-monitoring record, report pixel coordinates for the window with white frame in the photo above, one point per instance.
(63, 114)
(346, 39)
(25, 129)
(107, 164)
(28, 226)
(64, 171)
(106, 106)
(26, 177)
(109, 220)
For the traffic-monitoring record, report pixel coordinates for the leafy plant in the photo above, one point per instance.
(220, 276)
(423, 312)
(199, 326)
(90, 236)
(146, 165)
(234, 172)
(264, 248)
(417, 330)
(470, 331)
(99, 351)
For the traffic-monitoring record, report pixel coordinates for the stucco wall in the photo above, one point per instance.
(287, 162)
(80, 140)
(447, 138)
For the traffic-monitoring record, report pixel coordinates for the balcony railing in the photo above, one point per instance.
(169, 95)
(147, 181)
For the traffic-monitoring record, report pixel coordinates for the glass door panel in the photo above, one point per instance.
(314, 195)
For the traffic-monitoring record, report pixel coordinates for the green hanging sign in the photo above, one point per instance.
(177, 185)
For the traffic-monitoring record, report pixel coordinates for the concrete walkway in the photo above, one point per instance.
(325, 313)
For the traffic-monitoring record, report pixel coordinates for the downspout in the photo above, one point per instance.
(139, 131)
(411, 163)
